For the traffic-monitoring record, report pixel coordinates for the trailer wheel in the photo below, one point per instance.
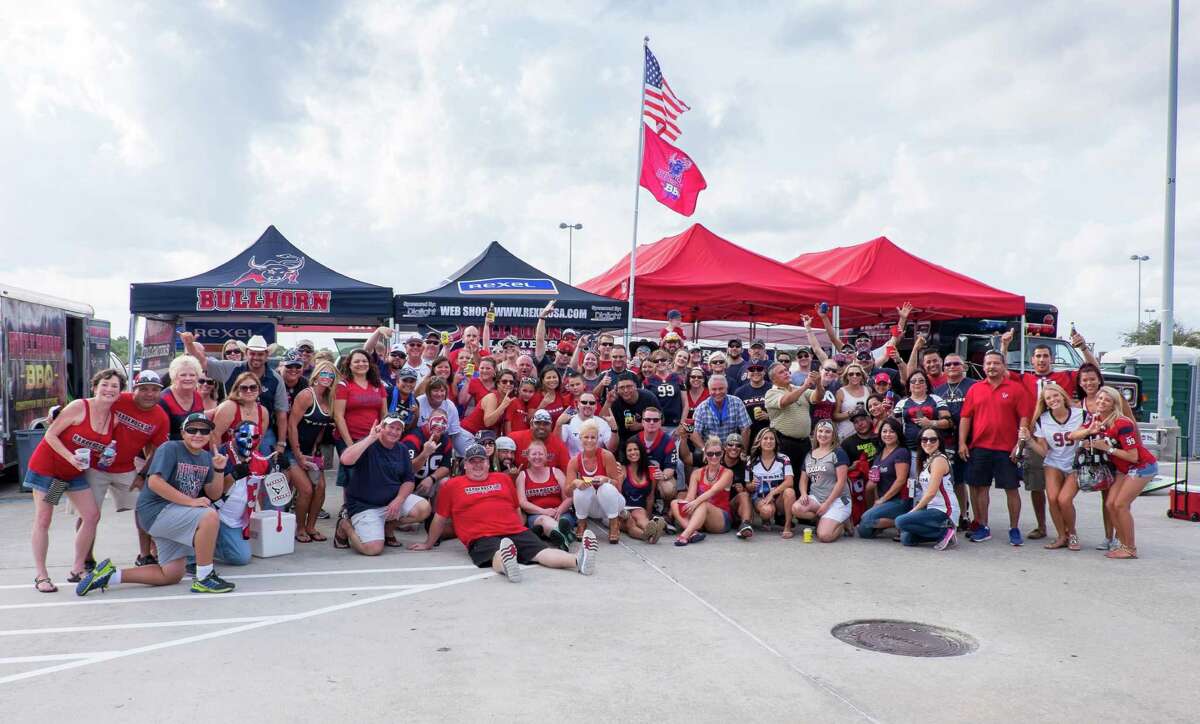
(1170, 514)
(1196, 517)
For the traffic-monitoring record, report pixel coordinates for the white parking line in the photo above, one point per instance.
(297, 574)
(125, 626)
(239, 629)
(108, 600)
(53, 657)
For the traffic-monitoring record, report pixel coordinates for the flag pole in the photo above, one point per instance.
(637, 190)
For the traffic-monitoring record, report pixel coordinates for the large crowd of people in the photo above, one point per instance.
(513, 451)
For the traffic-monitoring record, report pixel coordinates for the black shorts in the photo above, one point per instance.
(795, 448)
(958, 469)
(528, 545)
(988, 465)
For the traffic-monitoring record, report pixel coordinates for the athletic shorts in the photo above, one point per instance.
(41, 483)
(368, 524)
(528, 545)
(102, 481)
(174, 530)
(838, 512)
(959, 469)
(988, 465)
(1034, 471)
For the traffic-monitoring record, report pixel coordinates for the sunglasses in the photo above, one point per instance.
(606, 344)
(587, 402)
(854, 374)
(397, 354)
(651, 419)
(206, 382)
(232, 352)
(802, 355)
(952, 364)
(829, 369)
(733, 444)
(293, 366)
(695, 377)
(712, 454)
(325, 375)
(196, 431)
(247, 388)
(928, 439)
(304, 350)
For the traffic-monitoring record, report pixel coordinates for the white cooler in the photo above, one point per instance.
(272, 533)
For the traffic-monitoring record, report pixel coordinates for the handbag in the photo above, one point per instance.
(1093, 472)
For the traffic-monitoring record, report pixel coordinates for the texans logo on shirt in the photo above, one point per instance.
(189, 478)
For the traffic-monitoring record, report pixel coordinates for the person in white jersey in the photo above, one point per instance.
(1054, 421)
(936, 508)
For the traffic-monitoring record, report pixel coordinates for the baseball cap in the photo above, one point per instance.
(147, 377)
(672, 337)
(858, 411)
(292, 358)
(565, 346)
(306, 343)
(196, 418)
(882, 377)
(432, 337)
(756, 367)
(758, 343)
(398, 346)
(568, 332)
(475, 451)
(392, 417)
(407, 373)
(674, 314)
(804, 349)
(733, 439)
(485, 436)
(509, 341)
(256, 344)
(735, 342)
(505, 442)
(541, 416)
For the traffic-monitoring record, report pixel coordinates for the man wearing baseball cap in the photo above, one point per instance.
(735, 363)
(140, 425)
(379, 495)
(541, 427)
(175, 507)
(272, 393)
(483, 509)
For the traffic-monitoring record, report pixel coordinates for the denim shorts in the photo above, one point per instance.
(41, 483)
(1147, 472)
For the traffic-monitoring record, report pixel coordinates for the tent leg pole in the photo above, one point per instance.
(133, 321)
(1023, 355)
(837, 321)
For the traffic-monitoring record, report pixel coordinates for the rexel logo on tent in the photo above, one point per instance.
(502, 285)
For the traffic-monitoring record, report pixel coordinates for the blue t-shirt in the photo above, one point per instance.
(883, 471)
(183, 470)
(376, 478)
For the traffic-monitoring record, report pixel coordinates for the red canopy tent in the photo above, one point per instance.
(706, 277)
(875, 277)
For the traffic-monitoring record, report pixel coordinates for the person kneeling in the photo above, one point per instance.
(175, 514)
(824, 495)
(379, 495)
(484, 509)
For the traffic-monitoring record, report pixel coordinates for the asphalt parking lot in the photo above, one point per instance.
(719, 630)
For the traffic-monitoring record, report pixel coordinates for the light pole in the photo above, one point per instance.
(1139, 260)
(571, 229)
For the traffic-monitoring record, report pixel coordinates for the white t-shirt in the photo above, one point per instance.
(233, 509)
(768, 477)
(944, 500)
(570, 434)
(1061, 454)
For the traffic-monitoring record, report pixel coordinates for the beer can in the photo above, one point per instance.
(808, 535)
(445, 338)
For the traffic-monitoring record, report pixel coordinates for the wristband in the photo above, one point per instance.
(219, 472)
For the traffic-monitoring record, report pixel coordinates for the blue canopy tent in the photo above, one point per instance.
(270, 280)
(519, 292)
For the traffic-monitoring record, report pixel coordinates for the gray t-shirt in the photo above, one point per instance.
(822, 474)
(224, 369)
(183, 470)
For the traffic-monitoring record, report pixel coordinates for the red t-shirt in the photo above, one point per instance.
(517, 416)
(1124, 431)
(935, 381)
(362, 407)
(1032, 382)
(562, 400)
(667, 330)
(995, 413)
(556, 450)
(480, 508)
(134, 428)
(476, 390)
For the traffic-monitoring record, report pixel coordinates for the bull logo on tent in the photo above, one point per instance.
(278, 269)
(672, 176)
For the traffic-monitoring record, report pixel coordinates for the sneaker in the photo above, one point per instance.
(558, 540)
(96, 578)
(508, 560)
(746, 532)
(585, 560)
(191, 568)
(568, 532)
(981, 534)
(949, 540)
(1104, 545)
(1014, 537)
(146, 560)
(964, 524)
(324, 515)
(212, 583)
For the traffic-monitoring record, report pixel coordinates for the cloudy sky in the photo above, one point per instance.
(1021, 143)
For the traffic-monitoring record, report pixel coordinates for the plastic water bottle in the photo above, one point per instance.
(107, 456)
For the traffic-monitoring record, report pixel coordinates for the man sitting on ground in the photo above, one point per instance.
(483, 507)
(379, 496)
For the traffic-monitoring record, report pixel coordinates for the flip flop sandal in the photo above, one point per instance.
(302, 537)
(1073, 543)
(787, 535)
(75, 577)
(1123, 553)
(392, 542)
(681, 541)
(1036, 533)
(1056, 544)
(317, 536)
(37, 585)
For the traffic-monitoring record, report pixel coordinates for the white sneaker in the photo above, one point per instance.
(508, 560)
(1105, 545)
(585, 560)
(949, 540)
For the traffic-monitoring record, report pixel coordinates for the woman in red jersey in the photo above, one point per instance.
(705, 506)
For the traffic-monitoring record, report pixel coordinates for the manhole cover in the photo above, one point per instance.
(905, 638)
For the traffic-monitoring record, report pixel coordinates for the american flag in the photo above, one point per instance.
(659, 102)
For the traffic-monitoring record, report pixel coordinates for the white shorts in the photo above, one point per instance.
(101, 481)
(368, 524)
(839, 511)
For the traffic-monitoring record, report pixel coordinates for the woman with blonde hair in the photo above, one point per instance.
(852, 393)
(824, 493)
(241, 405)
(1114, 432)
(1054, 420)
(183, 397)
(705, 505)
(310, 424)
(593, 475)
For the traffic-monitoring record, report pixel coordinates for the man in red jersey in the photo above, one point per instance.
(542, 429)
(483, 508)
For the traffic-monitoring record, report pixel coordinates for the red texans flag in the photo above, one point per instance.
(670, 174)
